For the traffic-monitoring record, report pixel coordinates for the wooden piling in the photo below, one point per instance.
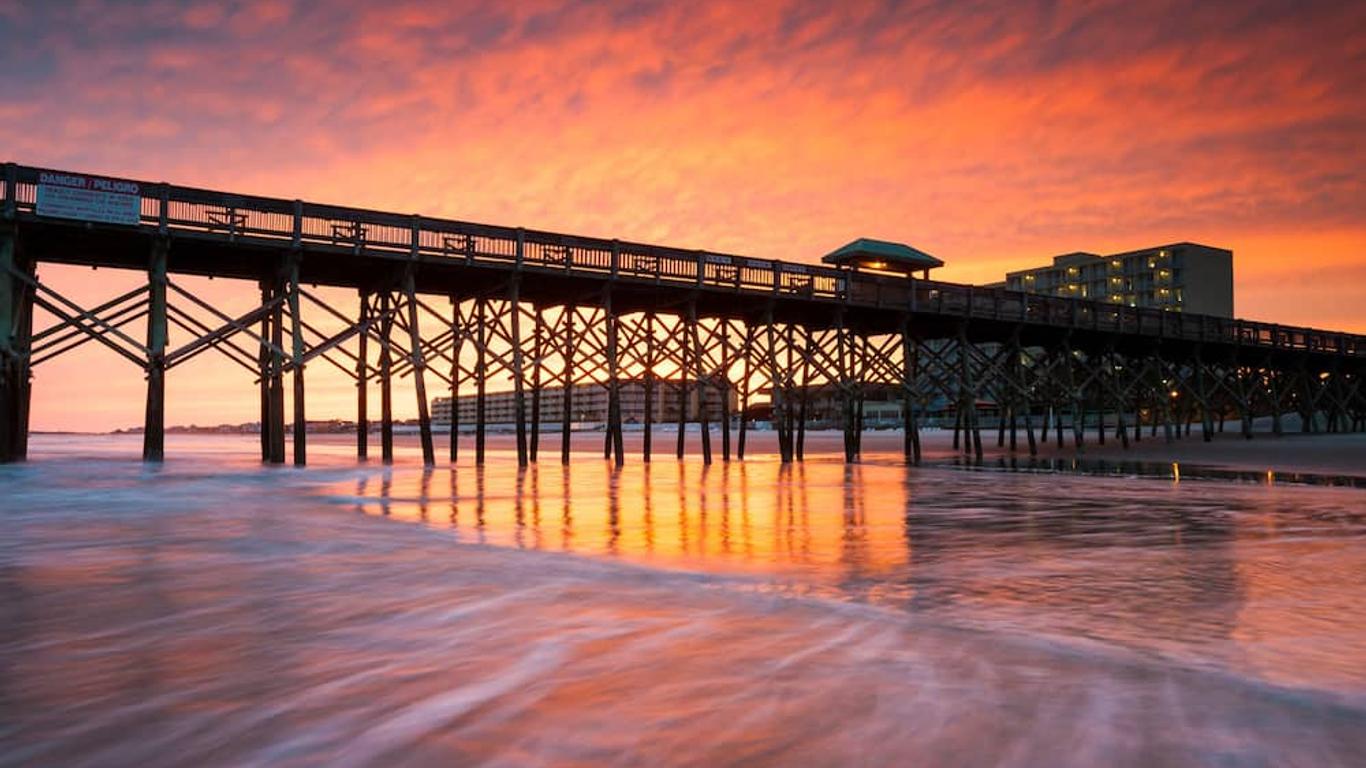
(16, 330)
(1138, 421)
(910, 437)
(424, 419)
(518, 378)
(860, 392)
(724, 388)
(776, 388)
(537, 362)
(843, 349)
(1206, 417)
(699, 360)
(297, 360)
(457, 347)
(747, 371)
(804, 404)
(567, 401)
(263, 370)
(649, 385)
(1078, 409)
(277, 368)
(363, 380)
(972, 433)
(481, 333)
(386, 383)
(613, 385)
(154, 423)
(684, 368)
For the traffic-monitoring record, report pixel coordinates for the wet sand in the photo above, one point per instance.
(212, 611)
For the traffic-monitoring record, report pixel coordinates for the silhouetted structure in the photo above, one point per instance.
(545, 309)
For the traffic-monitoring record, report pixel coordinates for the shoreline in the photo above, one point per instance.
(1339, 454)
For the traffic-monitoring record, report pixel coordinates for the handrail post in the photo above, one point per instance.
(298, 234)
(614, 265)
(519, 255)
(163, 208)
(701, 267)
(777, 267)
(11, 190)
(415, 239)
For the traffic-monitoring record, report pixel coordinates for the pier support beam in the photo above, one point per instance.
(537, 362)
(684, 345)
(16, 329)
(845, 349)
(724, 388)
(481, 377)
(649, 385)
(297, 351)
(518, 376)
(804, 401)
(567, 401)
(967, 387)
(424, 419)
(386, 377)
(699, 363)
(263, 373)
(277, 371)
(457, 346)
(1074, 391)
(363, 380)
(747, 372)
(1206, 415)
(154, 420)
(776, 389)
(614, 436)
(910, 440)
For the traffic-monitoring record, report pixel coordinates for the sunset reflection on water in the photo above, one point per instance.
(1211, 572)
(759, 515)
(217, 612)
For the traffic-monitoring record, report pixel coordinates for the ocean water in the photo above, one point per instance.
(212, 611)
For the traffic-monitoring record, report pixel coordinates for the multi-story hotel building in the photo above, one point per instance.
(588, 404)
(1181, 277)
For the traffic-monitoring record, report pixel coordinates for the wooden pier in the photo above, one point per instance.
(457, 305)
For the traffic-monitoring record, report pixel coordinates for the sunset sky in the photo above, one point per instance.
(991, 135)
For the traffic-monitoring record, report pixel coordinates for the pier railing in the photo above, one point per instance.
(170, 209)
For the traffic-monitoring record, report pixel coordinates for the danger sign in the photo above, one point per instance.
(88, 198)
